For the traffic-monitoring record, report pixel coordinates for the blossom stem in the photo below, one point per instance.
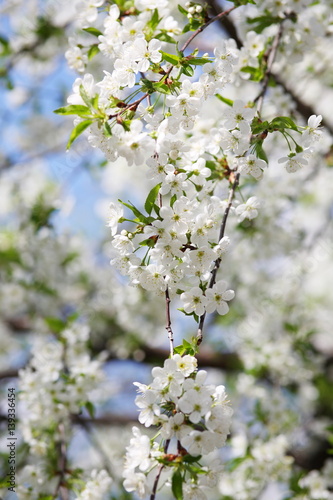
(218, 261)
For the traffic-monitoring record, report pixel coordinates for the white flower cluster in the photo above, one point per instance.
(188, 412)
(317, 485)
(98, 484)
(265, 461)
(177, 243)
(182, 248)
(178, 246)
(57, 383)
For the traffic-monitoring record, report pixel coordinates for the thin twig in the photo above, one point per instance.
(270, 61)
(157, 478)
(204, 26)
(167, 300)
(168, 319)
(218, 261)
(158, 475)
(61, 488)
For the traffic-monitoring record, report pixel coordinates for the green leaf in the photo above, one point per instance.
(187, 348)
(73, 109)
(107, 129)
(177, 485)
(56, 325)
(170, 58)
(193, 25)
(262, 22)
(9, 255)
(258, 126)
(150, 201)
(90, 408)
(259, 151)
(164, 37)
(93, 31)
(150, 242)
(237, 3)
(229, 102)
(93, 51)
(257, 74)
(198, 61)
(189, 459)
(188, 70)
(182, 10)
(179, 350)
(283, 122)
(5, 46)
(154, 21)
(173, 199)
(41, 213)
(80, 127)
(70, 257)
(84, 96)
(137, 213)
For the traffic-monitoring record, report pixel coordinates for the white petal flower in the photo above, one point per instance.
(251, 165)
(148, 403)
(116, 212)
(248, 210)
(194, 301)
(217, 297)
(293, 163)
(185, 364)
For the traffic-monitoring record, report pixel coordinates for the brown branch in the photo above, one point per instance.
(218, 261)
(104, 420)
(61, 489)
(303, 108)
(228, 361)
(168, 320)
(157, 478)
(10, 373)
(226, 23)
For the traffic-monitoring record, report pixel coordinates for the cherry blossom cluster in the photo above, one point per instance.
(59, 381)
(193, 419)
(176, 244)
(182, 246)
(150, 109)
(264, 460)
(49, 396)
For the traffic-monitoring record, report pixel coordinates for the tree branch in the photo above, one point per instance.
(218, 261)
(303, 108)
(157, 478)
(61, 488)
(204, 26)
(168, 319)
